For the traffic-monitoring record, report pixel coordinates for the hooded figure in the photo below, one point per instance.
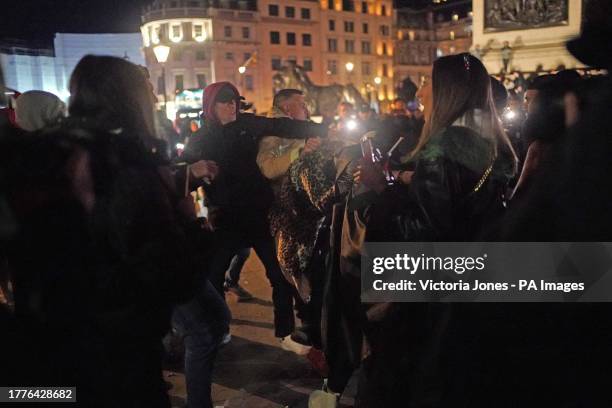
(35, 110)
(239, 197)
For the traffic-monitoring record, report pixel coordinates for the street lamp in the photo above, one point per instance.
(377, 80)
(161, 55)
(241, 69)
(350, 67)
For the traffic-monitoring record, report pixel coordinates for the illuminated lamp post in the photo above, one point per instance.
(161, 55)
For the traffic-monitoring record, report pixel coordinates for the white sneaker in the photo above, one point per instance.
(288, 344)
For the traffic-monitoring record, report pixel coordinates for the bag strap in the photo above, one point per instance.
(187, 176)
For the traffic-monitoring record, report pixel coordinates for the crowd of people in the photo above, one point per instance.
(104, 252)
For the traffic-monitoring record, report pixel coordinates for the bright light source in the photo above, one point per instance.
(377, 80)
(350, 66)
(351, 124)
(161, 53)
(180, 146)
(242, 69)
(510, 114)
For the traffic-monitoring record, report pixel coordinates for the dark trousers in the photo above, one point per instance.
(201, 323)
(228, 243)
(232, 276)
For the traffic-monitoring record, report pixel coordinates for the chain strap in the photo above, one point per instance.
(484, 177)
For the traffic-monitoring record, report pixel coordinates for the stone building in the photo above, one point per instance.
(246, 41)
(424, 34)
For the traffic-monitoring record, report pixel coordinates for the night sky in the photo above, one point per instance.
(39, 19)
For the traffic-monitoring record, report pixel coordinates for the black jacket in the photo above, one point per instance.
(444, 201)
(240, 195)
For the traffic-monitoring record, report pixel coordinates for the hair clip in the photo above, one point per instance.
(466, 61)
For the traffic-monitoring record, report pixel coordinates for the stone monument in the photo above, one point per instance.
(524, 34)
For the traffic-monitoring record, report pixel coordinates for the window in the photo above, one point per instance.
(330, 4)
(247, 56)
(176, 33)
(364, 28)
(411, 35)
(348, 5)
(384, 30)
(198, 31)
(276, 63)
(177, 55)
(305, 14)
(332, 25)
(306, 40)
(292, 60)
(384, 49)
(332, 45)
(246, 32)
(349, 46)
(178, 81)
(366, 47)
(364, 7)
(290, 12)
(290, 38)
(307, 64)
(201, 78)
(451, 35)
(273, 10)
(366, 68)
(385, 70)
(349, 26)
(332, 67)
(227, 30)
(248, 82)
(200, 55)
(274, 37)
(383, 10)
(229, 56)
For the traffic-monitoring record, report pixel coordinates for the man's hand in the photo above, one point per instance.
(311, 145)
(204, 169)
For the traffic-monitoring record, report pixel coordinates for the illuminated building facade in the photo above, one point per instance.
(245, 42)
(422, 35)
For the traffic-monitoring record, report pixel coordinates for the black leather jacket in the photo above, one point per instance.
(458, 186)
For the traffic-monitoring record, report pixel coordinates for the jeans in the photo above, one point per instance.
(228, 244)
(202, 322)
(232, 276)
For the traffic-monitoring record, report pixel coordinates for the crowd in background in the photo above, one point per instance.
(105, 252)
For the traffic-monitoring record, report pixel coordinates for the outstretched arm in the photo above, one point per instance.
(259, 126)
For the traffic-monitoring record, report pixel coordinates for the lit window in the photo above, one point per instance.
(176, 33)
(156, 34)
(332, 67)
(198, 33)
(452, 35)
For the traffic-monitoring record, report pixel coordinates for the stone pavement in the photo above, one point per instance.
(253, 371)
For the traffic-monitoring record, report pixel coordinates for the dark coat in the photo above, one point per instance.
(444, 201)
(93, 288)
(240, 197)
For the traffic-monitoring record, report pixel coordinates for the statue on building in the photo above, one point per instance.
(322, 100)
(506, 55)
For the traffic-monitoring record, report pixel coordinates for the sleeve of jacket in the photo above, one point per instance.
(272, 164)
(260, 126)
(420, 211)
